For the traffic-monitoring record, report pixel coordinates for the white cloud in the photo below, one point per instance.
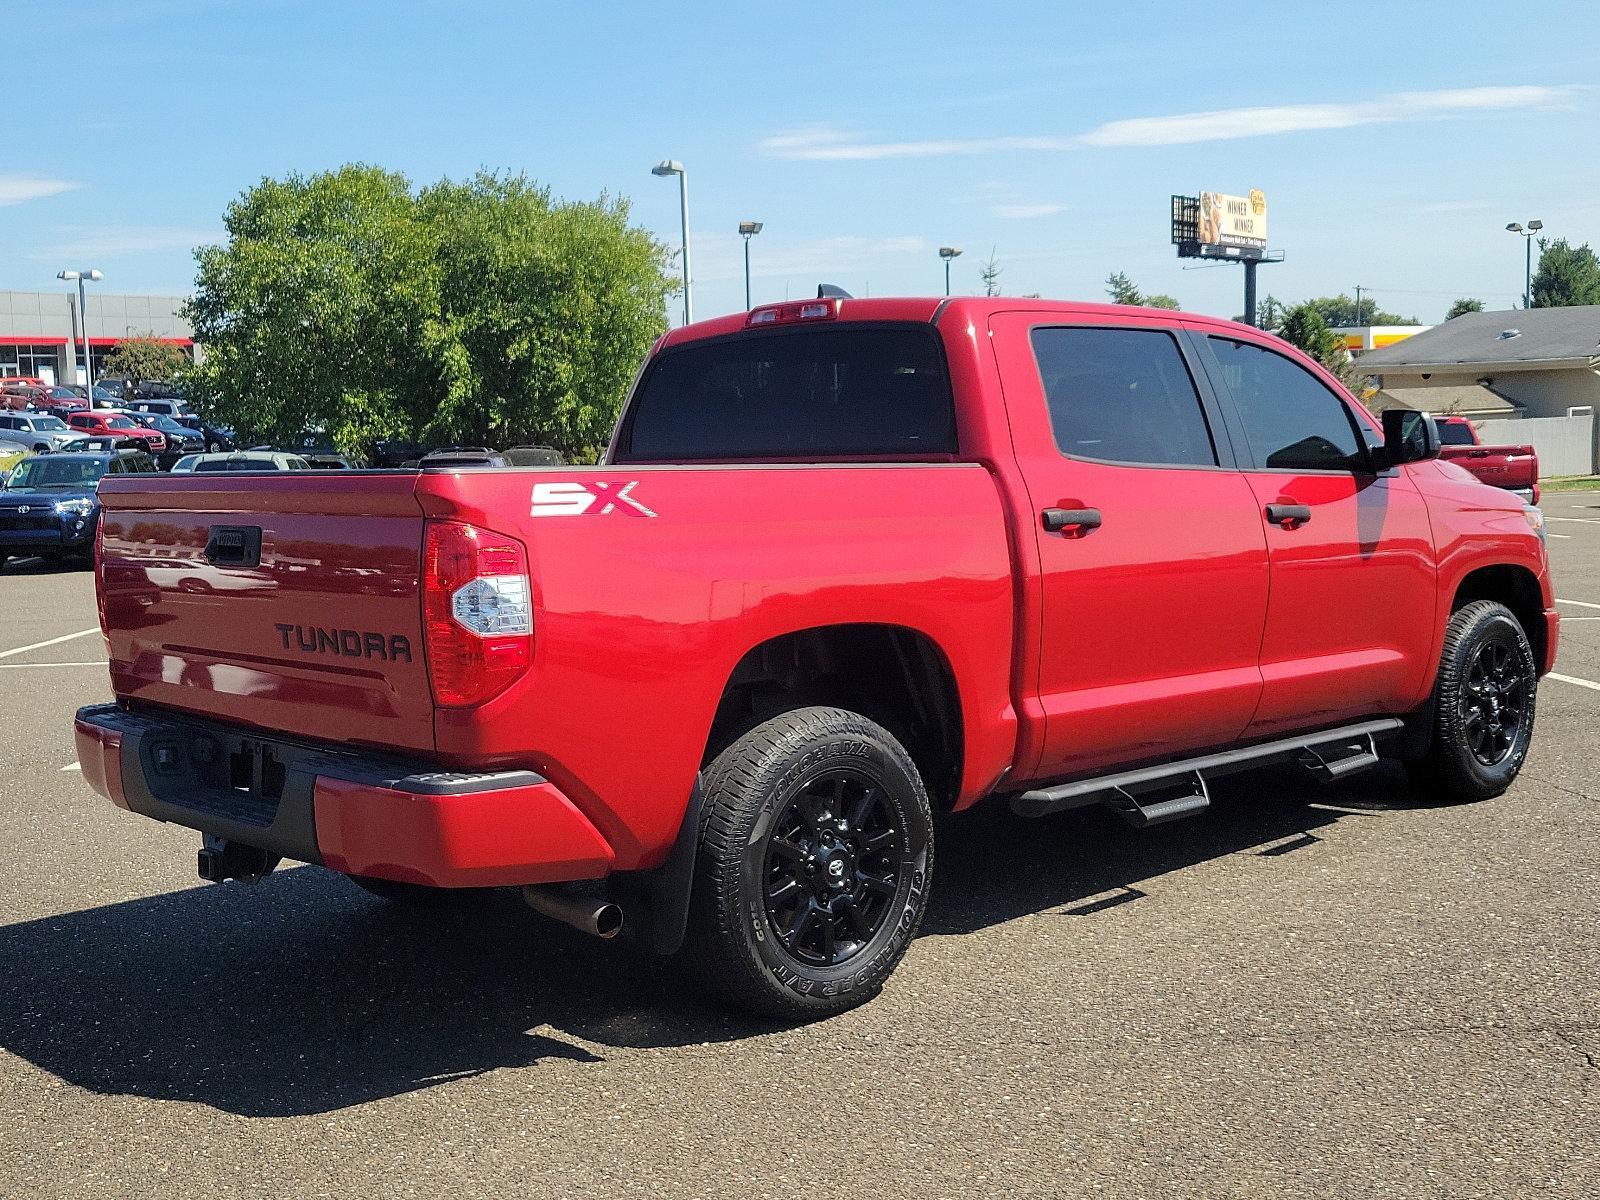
(18, 189)
(109, 240)
(1023, 212)
(828, 144)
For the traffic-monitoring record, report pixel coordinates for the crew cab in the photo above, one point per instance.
(118, 425)
(1515, 468)
(846, 564)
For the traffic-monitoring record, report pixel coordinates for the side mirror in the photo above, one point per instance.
(1408, 437)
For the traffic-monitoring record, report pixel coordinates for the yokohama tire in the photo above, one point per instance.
(1488, 680)
(814, 864)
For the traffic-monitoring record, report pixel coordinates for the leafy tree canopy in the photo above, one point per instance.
(142, 359)
(1122, 290)
(1464, 305)
(1341, 310)
(1566, 275)
(481, 312)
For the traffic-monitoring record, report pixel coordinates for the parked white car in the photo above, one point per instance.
(242, 460)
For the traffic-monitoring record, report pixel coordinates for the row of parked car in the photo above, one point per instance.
(56, 446)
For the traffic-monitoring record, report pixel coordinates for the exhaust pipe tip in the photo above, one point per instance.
(598, 918)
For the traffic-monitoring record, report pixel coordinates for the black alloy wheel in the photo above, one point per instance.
(1481, 716)
(1493, 697)
(831, 864)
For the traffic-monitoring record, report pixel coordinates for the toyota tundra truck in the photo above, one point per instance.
(847, 565)
(1513, 467)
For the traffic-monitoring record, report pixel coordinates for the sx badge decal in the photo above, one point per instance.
(587, 499)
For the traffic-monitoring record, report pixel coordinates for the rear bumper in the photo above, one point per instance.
(356, 813)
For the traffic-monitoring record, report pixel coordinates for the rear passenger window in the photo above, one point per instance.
(1291, 420)
(1123, 395)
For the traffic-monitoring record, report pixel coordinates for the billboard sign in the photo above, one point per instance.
(1240, 221)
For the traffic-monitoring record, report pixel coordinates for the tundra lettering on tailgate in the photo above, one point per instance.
(578, 499)
(346, 643)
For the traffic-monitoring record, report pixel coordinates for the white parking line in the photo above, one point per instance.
(1577, 603)
(1575, 520)
(66, 637)
(1584, 683)
(71, 767)
(1568, 536)
(99, 662)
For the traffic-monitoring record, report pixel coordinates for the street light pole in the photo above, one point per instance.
(748, 230)
(1533, 227)
(82, 277)
(947, 253)
(672, 166)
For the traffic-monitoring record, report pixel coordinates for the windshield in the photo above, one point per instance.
(1452, 434)
(49, 423)
(56, 472)
(120, 423)
(168, 425)
(847, 391)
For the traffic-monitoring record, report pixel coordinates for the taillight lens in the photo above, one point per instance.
(477, 612)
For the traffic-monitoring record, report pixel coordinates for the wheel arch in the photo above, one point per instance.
(1514, 586)
(896, 675)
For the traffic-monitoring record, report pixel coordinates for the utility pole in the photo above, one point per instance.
(1359, 321)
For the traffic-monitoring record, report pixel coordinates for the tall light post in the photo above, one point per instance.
(83, 277)
(947, 253)
(1527, 258)
(748, 230)
(671, 166)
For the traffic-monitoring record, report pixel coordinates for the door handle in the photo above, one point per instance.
(1290, 516)
(1075, 522)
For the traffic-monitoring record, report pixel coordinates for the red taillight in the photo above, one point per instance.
(477, 612)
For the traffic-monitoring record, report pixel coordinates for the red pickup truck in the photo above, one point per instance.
(1515, 468)
(847, 565)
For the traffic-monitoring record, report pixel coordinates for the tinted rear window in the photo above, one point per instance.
(1451, 434)
(807, 394)
(237, 464)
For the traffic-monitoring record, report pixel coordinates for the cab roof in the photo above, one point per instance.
(938, 309)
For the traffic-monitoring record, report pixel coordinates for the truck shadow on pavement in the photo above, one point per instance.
(302, 995)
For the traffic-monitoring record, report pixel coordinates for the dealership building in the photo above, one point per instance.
(41, 333)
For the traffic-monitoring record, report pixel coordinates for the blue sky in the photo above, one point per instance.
(1393, 144)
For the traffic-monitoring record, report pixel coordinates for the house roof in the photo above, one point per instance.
(1543, 335)
(1471, 398)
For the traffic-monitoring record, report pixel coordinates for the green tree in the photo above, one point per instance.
(142, 359)
(1304, 327)
(991, 275)
(1122, 290)
(1566, 275)
(1466, 304)
(1341, 310)
(479, 311)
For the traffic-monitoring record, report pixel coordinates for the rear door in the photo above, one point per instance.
(1350, 627)
(1153, 615)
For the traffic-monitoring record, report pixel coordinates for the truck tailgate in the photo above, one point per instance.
(288, 602)
(1501, 466)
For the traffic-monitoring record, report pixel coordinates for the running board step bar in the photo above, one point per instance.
(1151, 795)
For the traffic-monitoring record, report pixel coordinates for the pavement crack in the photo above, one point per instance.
(1561, 787)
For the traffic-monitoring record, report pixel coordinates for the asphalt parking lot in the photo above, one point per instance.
(1309, 991)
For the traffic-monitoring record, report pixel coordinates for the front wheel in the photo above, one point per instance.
(815, 859)
(1483, 705)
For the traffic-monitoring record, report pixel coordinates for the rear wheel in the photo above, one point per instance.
(816, 852)
(1483, 705)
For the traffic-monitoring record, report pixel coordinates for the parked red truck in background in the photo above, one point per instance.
(847, 564)
(1515, 468)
